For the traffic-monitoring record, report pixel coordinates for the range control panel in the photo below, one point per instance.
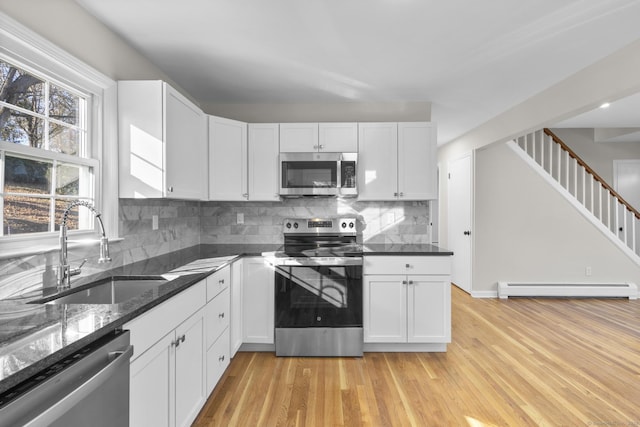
(320, 225)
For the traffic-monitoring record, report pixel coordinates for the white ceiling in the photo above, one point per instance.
(471, 59)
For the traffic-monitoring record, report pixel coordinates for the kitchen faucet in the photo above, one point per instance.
(64, 269)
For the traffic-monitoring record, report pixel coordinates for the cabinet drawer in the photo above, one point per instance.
(217, 360)
(217, 316)
(218, 282)
(437, 265)
(150, 327)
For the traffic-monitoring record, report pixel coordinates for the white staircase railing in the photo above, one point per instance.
(583, 184)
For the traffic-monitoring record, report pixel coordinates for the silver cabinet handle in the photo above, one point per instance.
(179, 340)
(245, 195)
(408, 265)
(221, 281)
(411, 282)
(221, 315)
(395, 194)
(401, 194)
(221, 358)
(170, 189)
(404, 282)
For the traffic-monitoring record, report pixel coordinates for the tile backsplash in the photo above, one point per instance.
(380, 222)
(182, 224)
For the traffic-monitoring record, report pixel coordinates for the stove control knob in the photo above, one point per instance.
(295, 225)
(344, 225)
(351, 225)
(288, 225)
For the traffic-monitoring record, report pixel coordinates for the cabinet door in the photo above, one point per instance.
(263, 162)
(417, 169)
(385, 312)
(378, 161)
(235, 324)
(227, 159)
(189, 369)
(185, 148)
(429, 309)
(257, 301)
(298, 137)
(141, 142)
(338, 137)
(217, 360)
(152, 386)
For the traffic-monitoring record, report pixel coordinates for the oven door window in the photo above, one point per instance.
(316, 174)
(321, 296)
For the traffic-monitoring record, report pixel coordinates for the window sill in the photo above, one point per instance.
(46, 247)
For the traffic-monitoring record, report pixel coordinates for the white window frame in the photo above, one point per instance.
(22, 47)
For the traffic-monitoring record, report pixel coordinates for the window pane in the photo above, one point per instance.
(63, 105)
(74, 180)
(25, 215)
(63, 139)
(21, 128)
(20, 88)
(27, 176)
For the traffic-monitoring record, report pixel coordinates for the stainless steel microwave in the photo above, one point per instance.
(318, 174)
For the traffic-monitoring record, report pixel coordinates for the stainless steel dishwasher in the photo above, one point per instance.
(88, 388)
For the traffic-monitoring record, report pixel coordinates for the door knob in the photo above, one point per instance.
(467, 233)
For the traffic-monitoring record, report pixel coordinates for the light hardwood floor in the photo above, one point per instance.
(516, 362)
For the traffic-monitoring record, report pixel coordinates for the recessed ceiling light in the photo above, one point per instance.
(605, 105)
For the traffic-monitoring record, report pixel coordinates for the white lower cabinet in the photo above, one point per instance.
(167, 372)
(411, 303)
(257, 301)
(167, 380)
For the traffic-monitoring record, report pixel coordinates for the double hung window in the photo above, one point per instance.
(46, 158)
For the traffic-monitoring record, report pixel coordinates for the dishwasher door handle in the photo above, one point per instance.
(70, 400)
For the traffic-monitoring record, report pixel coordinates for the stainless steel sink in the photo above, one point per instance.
(111, 290)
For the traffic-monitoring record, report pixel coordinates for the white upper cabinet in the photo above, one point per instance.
(263, 162)
(162, 142)
(298, 137)
(338, 137)
(397, 161)
(227, 159)
(378, 161)
(314, 137)
(243, 160)
(417, 161)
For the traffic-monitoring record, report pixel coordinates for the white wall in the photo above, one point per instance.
(527, 231)
(609, 79)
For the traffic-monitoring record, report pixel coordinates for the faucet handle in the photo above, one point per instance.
(77, 270)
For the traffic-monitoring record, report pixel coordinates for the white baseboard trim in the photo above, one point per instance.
(484, 294)
(405, 347)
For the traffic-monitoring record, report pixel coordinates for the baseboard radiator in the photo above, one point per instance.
(562, 290)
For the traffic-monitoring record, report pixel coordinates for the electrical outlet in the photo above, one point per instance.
(154, 222)
(240, 218)
(587, 271)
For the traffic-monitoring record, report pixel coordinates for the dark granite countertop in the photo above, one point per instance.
(404, 249)
(33, 337)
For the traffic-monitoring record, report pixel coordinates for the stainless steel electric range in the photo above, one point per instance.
(318, 289)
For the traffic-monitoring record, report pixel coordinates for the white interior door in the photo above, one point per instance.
(459, 212)
(626, 180)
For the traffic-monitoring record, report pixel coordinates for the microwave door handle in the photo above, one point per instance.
(339, 175)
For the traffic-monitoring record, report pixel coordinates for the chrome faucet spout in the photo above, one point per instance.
(64, 269)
